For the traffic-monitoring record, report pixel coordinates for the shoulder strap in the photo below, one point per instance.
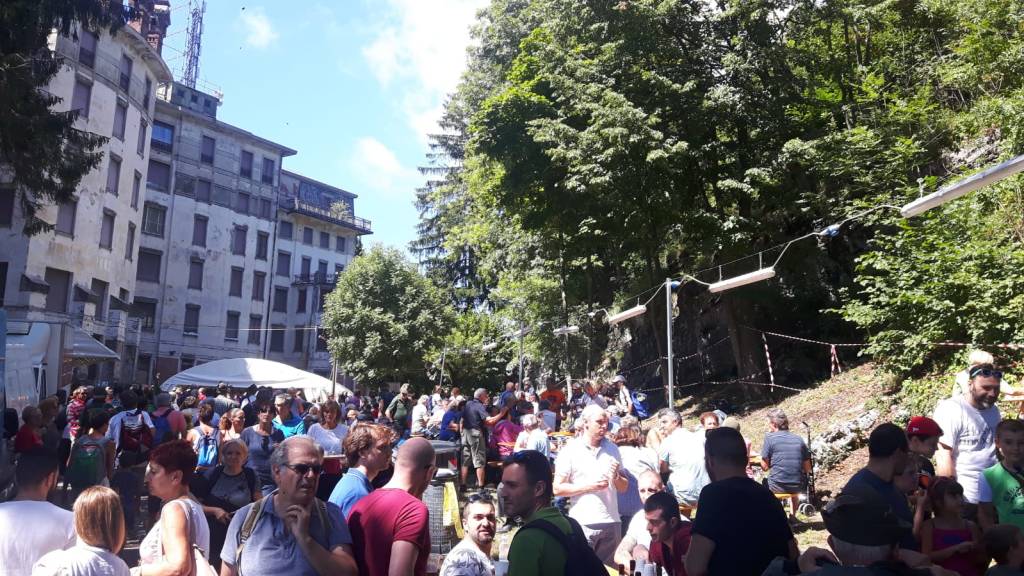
(321, 513)
(250, 478)
(554, 531)
(248, 525)
(215, 475)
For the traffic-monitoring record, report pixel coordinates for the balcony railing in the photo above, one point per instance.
(317, 278)
(300, 207)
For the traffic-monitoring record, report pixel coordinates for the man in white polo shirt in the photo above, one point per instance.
(588, 470)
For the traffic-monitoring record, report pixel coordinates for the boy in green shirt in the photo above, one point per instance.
(1000, 486)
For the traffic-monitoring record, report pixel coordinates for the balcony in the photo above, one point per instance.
(315, 279)
(294, 205)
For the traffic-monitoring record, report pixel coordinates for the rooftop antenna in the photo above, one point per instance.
(194, 44)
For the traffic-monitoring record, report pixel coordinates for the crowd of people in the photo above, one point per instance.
(268, 483)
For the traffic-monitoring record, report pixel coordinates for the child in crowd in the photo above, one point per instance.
(1005, 544)
(1000, 486)
(923, 440)
(947, 539)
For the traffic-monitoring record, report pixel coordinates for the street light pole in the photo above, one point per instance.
(668, 343)
(522, 330)
(440, 377)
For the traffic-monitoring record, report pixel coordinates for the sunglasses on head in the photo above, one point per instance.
(303, 469)
(985, 372)
(481, 496)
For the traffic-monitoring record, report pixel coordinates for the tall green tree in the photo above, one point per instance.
(383, 318)
(42, 155)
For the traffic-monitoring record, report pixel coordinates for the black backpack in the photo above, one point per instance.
(580, 559)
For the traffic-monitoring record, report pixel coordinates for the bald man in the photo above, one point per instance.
(390, 527)
(636, 543)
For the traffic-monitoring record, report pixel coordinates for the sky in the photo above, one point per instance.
(355, 86)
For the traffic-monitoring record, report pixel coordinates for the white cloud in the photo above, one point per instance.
(422, 49)
(259, 30)
(379, 170)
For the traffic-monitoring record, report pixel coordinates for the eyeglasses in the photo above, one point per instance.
(304, 469)
(986, 373)
(482, 496)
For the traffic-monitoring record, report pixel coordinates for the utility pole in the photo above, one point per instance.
(668, 343)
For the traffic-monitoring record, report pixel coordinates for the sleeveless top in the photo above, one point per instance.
(964, 564)
(151, 548)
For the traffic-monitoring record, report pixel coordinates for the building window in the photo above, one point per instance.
(325, 240)
(262, 240)
(238, 240)
(6, 207)
(300, 306)
(284, 230)
(153, 216)
(145, 95)
(146, 309)
(81, 98)
(300, 341)
(242, 203)
(120, 116)
(191, 320)
(231, 329)
(338, 269)
(259, 284)
(140, 147)
(307, 236)
(304, 267)
(125, 78)
(255, 323)
(199, 224)
(266, 207)
(114, 175)
(339, 243)
(280, 299)
(136, 185)
(246, 168)
(145, 360)
(321, 343)
(236, 281)
(277, 338)
(162, 137)
(129, 245)
(107, 230)
(206, 153)
(149, 265)
(187, 361)
(159, 176)
(203, 191)
(222, 196)
(99, 288)
(66, 218)
(284, 264)
(195, 274)
(267, 176)
(321, 269)
(60, 287)
(3, 283)
(87, 47)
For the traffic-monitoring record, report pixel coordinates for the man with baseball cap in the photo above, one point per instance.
(623, 398)
(923, 440)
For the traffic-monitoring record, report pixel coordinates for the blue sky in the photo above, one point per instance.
(353, 85)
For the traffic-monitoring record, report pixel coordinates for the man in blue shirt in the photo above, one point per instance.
(887, 457)
(368, 450)
(289, 531)
(287, 422)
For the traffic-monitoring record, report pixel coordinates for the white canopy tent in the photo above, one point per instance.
(244, 372)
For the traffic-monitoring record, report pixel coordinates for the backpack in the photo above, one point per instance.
(639, 404)
(88, 459)
(580, 559)
(135, 441)
(162, 425)
(256, 512)
(207, 448)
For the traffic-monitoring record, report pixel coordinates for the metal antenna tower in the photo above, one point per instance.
(194, 45)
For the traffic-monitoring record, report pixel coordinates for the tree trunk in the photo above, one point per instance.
(747, 349)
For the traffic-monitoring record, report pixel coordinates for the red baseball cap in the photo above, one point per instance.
(923, 426)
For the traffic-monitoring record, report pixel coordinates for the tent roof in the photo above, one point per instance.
(88, 350)
(244, 372)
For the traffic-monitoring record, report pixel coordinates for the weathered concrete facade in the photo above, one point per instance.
(83, 273)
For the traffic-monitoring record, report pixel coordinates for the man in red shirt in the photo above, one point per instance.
(554, 396)
(390, 527)
(670, 536)
(29, 436)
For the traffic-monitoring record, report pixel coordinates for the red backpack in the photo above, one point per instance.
(135, 441)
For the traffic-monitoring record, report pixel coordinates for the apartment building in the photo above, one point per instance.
(79, 278)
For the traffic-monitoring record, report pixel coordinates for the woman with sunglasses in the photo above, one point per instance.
(261, 439)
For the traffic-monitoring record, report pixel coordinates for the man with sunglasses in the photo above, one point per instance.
(290, 531)
(968, 423)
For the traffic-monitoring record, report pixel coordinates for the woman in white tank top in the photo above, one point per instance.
(181, 531)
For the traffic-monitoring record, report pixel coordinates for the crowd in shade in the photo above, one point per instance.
(262, 482)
